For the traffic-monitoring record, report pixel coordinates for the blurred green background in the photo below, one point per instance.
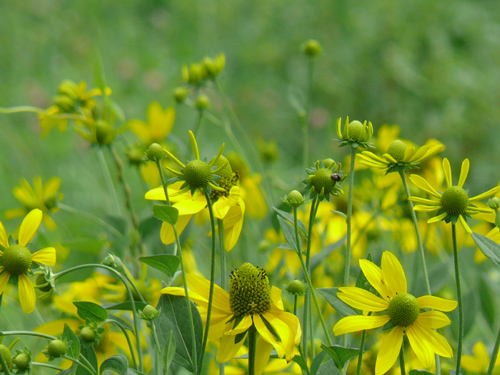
(432, 67)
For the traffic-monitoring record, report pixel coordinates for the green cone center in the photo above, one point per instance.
(228, 178)
(397, 150)
(403, 309)
(455, 200)
(249, 291)
(17, 259)
(322, 179)
(356, 131)
(197, 174)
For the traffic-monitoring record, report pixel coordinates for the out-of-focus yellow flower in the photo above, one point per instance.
(39, 196)
(159, 125)
(480, 361)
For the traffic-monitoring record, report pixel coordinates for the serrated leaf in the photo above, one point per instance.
(91, 311)
(71, 340)
(339, 354)
(168, 351)
(330, 295)
(422, 372)
(165, 213)
(489, 247)
(117, 363)
(289, 233)
(165, 263)
(487, 300)
(127, 306)
(174, 317)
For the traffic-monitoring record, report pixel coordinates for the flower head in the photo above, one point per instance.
(454, 203)
(403, 311)
(324, 179)
(16, 260)
(158, 126)
(355, 133)
(250, 302)
(400, 157)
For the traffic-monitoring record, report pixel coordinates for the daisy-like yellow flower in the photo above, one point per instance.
(403, 311)
(39, 196)
(454, 203)
(250, 302)
(159, 125)
(400, 157)
(16, 260)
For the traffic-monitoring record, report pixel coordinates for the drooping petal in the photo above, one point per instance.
(4, 239)
(267, 335)
(356, 323)
(287, 326)
(447, 172)
(221, 207)
(167, 233)
(233, 224)
(390, 158)
(362, 299)
(487, 194)
(373, 274)
(262, 353)
(464, 224)
(56, 327)
(191, 206)
(370, 156)
(423, 208)
(425, 201)
(276, 298)
(480, 352)
(464, 171)
(420, 346)
(243, 326)
(51, 187)
(437, 218)
(228, 347)
(201, 286)
(435, 341)
(436, 303)
(29, 226)
(393, 273)
(45, 256)
(424, 185)
(389, 350)
(4, 279)
(433, 319)
(27, 295)
(419, 155)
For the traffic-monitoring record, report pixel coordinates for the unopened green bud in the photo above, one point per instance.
(114, 262)
(155, 152)
(42, 283)
(104, 133)
(135, 156)
(311, 48)
(210, 67)
(494, 203)
(294, 199)
(22, 361)
(202, 102)
(296, 288)
(5, 353)
(88, 334)
(180, 94)
(68, 88)
(329, 163)
(57, 348)
(149, 313)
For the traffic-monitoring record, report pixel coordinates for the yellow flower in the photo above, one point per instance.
(16, 260)
(403, 311)
(454, 203)
(42, 197)
(480, 361)
(400, 157)
(159, 125)
(250, 302)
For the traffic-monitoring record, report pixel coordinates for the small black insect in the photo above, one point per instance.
(336, 177)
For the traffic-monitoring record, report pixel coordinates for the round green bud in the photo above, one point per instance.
(329, 163)
(155, 152)
(42, 283)
(397, 150)
(494, 203)
(311, 48)
(104, 133)
(454, 200)
(197, 174)
(22, 361)
(209, 66)
(149, 312)
(403, 309)
(88, 334)
(322, 181)
(7, 357)
(57, 348)
(249, 291)
(294, 199)
(202, 102)
(357, 131)
(180, 94)
(17, 259)
(227, 172)
(296, 287)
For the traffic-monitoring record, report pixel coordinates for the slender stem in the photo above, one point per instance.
(361, 349)
(124, 331)
(494, 355)
(252, 341)
(402, 359)
(417, 231)
(197, 122)
(87, 362)
(20, 109)
(91, 217)
(90, 370)
(27, 333)
(109, 181)
(305, 124)
(48, 365)
(222, 254)
(347, 260)
(212, 282)
(157, 348)
(130, 296)
(3, 365)
(459, 296)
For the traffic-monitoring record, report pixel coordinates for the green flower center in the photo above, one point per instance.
(249, 291)
(17, 259)
(228, 178)
(397, 150)
(197, 174)
(403, 309)
(455, 200)
(322, 179)
(356, 131)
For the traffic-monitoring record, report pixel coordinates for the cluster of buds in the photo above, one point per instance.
(208, 68)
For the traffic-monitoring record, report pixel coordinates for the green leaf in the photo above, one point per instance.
(168, 351)
(91, 312)
(88, 352)
(168, 214)
(165, 263)
(289, 217)
(174, 318)
(339, 354)
(328, 368)
(117, 363)
(339, 213)
(316, 363)
(119, 322)
(124, 306)
(489, 247)
(330, 295)
(487, 300)
(422, 372)
(71, 339)
(289, 233)
(300, 361)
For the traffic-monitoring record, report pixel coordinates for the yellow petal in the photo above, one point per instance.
(14, 213)
(4, 279)
(45, 256)
(276, 298)
(228, 348)
(437, 303)
(140, 129)
(437, 343)
(362, 299)
(464, 171)
(201, 286)
(191, 206)
(410, 151)
(221, 207)
(487, 194)
(464, 224)
(374, 276)
(288, 326)
(421, 183)
(167, 234)
(435, 219)
(472, 364)
(393, 273)
(56, 327)
(29, 226)
(426, 202)
(447, 172)
(267, 335)
(419, 155)
(262, 353)
(242, 326)
(4, 239)
(420, 345)
(481, 353)
(356, 323)
(233, 224)
(51, 187)
(433, 319)
(389, 350)
(27, 295)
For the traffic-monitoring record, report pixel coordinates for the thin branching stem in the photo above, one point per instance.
(459, 297)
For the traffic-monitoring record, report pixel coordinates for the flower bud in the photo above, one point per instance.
(202, 102)
(65, 103)
(68, 88)
(149, 313)
(114, 262)
(209, 66)
(88, 334)
(5, 353)
(180, 94)
(135, 156)
(104, 133)
(311, 48)
(57, 348)
(155, 152)
(296, 288)
(43, 284)
(22, 361)
(494, 203)
(294, 199)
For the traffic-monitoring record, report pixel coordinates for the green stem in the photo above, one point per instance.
(459, 297)
(494, 355)
(402, 359)
(417, 231)
(347, 260)
(360, 355)
(109, 181)
(91, 217)
(305, 124)
(252, 341)
(90, 370)
(20, 109)
(48, 365)
(222, 254)
(157, 348)
(4, 365)
(27, 333)
(130, 296)
(212, 282)
(124, 331)
(197, 122)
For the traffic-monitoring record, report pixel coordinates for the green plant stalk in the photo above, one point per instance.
(494, 354)
(349, 219)
(27, 333)
(361, 349)
(157, 348)
(183, 273)
(109, 180)
(252, 341)
(124, 331)
(402, 359)
(130, 296)
(87, 362)
(48, 365)
(459, 297)
(91, 217)
(4, 366)
(212, 282)
(90, 370)
(197, 122)
(305, 124)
